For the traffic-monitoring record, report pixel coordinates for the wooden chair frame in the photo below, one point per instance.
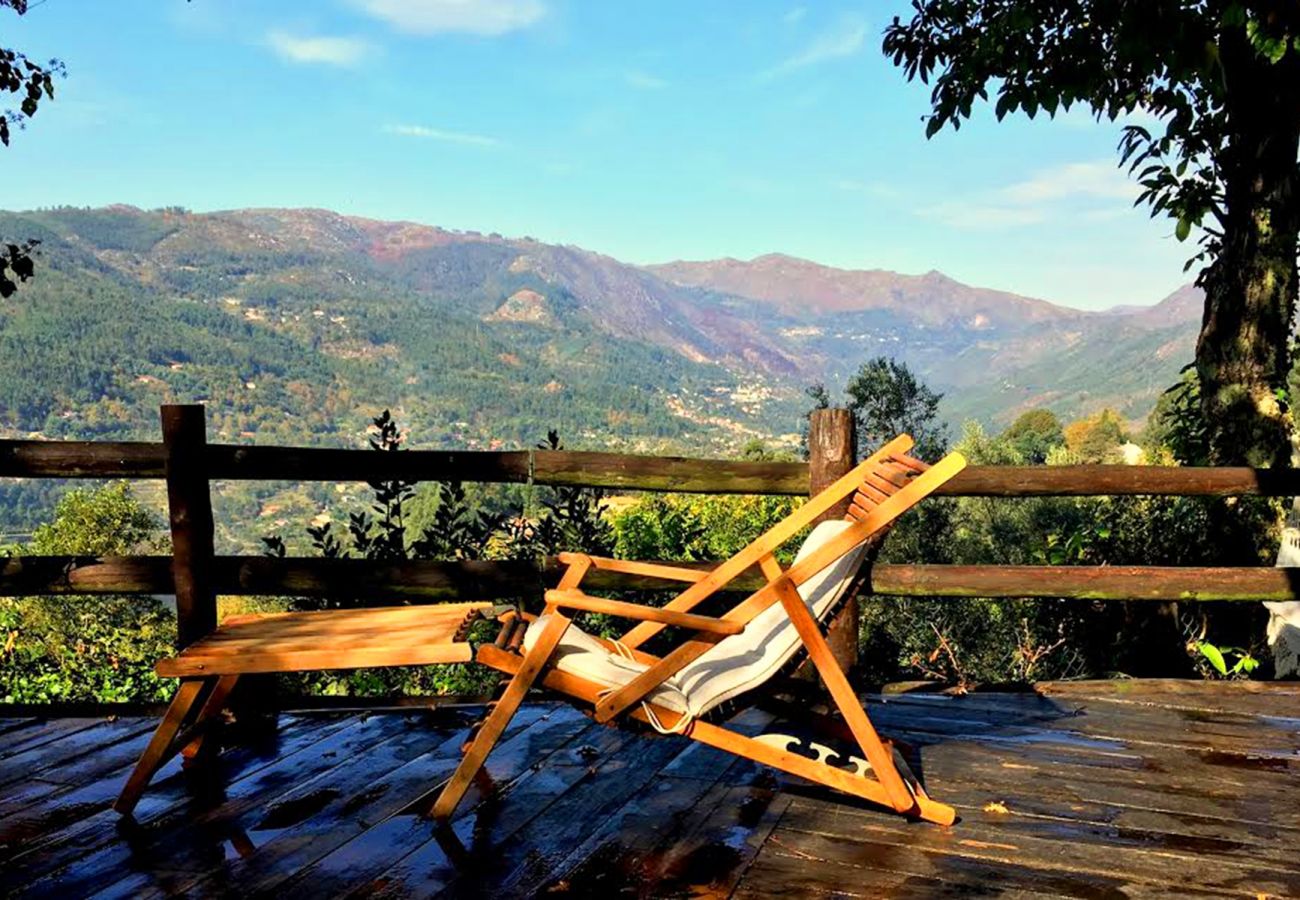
(210, 667)
(194, 711)
(882, 487)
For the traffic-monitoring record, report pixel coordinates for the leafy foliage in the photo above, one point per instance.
(1217, 657)
(967, 640)
(458, 530)
(71, 648)
(105, 521)
(22, 77)
(1097, 438)
(1033, 435)
(694, 527)
(887, 399)
(697, 526)
(34, 82)
(384, 531)
(454, 528)
(1222, 79)
(1176, 422)
(455, 532)
(16, 263)
(964, 641)
(1166, 58)
(569, 518)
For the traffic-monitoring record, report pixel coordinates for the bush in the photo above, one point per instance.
(87, 648)
(84, 649)
(442, 521)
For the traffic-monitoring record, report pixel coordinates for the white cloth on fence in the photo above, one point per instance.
(1284, 616)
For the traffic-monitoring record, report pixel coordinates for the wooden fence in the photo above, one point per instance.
(195, 575)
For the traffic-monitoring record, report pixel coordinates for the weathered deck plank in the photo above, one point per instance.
(394, 773)
(821, 831)
(638, 847)
(11, 723)
(28, 824)
(1090, 790)
(521, 771)
(150, 845)
(484, 850)
(27, 741)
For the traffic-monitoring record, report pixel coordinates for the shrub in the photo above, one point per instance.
(87, 648)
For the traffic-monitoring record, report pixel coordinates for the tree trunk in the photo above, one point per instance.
(832, 453)
(1242, 355)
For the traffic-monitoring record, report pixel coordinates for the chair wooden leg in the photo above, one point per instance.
(499, 718)
(211, 708)
(837, 683)
(161, 747)
(724, 739)
(922, 807)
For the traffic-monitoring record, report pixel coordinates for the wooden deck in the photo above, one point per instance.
(1114, 789)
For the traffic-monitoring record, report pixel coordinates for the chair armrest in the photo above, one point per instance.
(586, 603)
(666, 571)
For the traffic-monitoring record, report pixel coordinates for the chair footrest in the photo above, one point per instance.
(330, 639)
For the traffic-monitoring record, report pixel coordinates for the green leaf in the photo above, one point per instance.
(1211, 652)
(1246, 663)
(1006, 103)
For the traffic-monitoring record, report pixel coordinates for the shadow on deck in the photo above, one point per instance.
(1095, 789)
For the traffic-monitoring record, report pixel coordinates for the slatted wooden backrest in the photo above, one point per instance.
(885, 478)
(892, 483)
(766, 544)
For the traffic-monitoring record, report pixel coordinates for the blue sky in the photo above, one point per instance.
(646, 130)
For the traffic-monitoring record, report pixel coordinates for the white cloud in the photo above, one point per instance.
(794, 15)
(1082, 179)
(482, 17)
(644, 81)
(438, 134)
(1089, 190)
(846, 39)
(332, 51)
(1081, 116)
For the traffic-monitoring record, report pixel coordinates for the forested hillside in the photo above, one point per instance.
(298, 326)
(291, 334)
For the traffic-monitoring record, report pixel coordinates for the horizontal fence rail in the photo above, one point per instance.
(237, 462)
(377, 583)
(195, 575)
(81, 459)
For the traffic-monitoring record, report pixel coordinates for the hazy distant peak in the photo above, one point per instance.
(1185, 304)
(796, 286)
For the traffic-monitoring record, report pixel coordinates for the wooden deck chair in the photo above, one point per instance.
(722, 657)
(210, 667)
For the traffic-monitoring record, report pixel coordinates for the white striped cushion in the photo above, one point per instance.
(733, 665)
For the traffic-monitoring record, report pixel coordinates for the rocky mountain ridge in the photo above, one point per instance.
(735, 341)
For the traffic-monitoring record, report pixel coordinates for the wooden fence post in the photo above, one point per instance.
(832, 452)
(189, 503)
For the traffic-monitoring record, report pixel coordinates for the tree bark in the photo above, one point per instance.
(832, 453)
(1243, 353)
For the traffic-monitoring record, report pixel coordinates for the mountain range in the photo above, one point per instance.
(993, 353)
(298, 324)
